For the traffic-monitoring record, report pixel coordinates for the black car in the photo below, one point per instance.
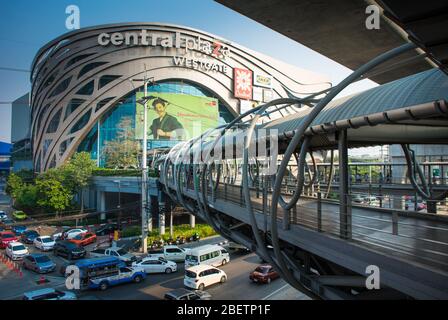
(107, 229)
(28, 236)
(68, 249)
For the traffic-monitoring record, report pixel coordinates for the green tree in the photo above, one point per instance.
(76, 173)
(124, 151)
(14, 185)
(26, 199)
(52, 195)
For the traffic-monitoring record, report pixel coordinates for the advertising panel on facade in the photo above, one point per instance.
(242, 83)
(175, 117)
(262, 81)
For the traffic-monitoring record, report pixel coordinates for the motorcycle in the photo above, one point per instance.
(180, 240)
(194, 237)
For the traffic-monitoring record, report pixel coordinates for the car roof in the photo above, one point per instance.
(179, 292)
(39, 292)
(16, 243)
(6, 232)
(45, 237)
(200, 268)
(206, 247)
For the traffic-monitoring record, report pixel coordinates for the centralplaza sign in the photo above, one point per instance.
(174, 40)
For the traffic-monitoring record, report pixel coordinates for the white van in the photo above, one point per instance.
(209, 254)
(201, 276)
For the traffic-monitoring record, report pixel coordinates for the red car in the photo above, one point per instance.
(84, 239)
(7, 237)
(264, 274)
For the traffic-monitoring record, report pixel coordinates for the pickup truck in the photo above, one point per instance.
(120, 253)
(170, 253)
(125, 275)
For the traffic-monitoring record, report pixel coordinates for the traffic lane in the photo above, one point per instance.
(238, 285)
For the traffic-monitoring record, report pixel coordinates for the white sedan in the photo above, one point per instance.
(44, 243)
(69, 234)
(16, 250)
(156, 265)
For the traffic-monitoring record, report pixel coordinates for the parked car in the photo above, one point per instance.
(16, 250)
(201, 276)
(236, 247)
(68, 234)
(7, 237)
(39, 263)
(170, 252)
(44, 243)
(28, 236)
(357, 198)
(69, 250)
(106, 229)
(84, 239)
(264, 274)
(18, 230)
(184, 294)
(3, 215)
(7, 223)
(49, 294)
(19, 215)
(120, 253)
(156, 265)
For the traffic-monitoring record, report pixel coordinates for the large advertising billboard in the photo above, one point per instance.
(175, 117)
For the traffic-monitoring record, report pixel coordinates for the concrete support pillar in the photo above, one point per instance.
(192, 221)
(398, 202)
(101, 204)
(344, 219)
(162, 211)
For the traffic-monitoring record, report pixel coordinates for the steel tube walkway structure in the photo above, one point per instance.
(230, 177)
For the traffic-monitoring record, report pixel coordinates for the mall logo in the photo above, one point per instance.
(175, 40)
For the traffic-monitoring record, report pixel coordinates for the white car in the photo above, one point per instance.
(156, 265)
(69, 234)
(201, 276)
(3, 215)
(16, 250)
(44, 243)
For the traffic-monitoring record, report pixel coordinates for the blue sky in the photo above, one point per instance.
(27, 25)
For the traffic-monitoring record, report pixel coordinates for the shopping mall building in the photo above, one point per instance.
(86, 85)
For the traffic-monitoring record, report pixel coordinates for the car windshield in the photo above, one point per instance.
(191, 258)
(31, 233)
(46, 240)
(18, 248)
(7, 236)
(262, 269)
(190, 274)
(121, 252)
(42, 259)
(163, 260)
(78, 237)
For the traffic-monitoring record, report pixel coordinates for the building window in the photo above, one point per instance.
(61, 87)
(54, 123)
(77, 59)
(105, 80)
(45, 147)
(102, 103)
(88, 89)
(90, 67)
(72, 106)
(81, 122)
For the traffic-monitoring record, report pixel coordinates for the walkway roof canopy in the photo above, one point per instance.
(408, 110)
(337, 29)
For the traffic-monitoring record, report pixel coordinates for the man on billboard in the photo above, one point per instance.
(166, 126)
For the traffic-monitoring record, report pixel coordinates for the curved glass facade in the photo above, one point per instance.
(125, 108)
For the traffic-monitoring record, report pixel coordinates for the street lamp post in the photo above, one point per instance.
(146, 219)
(119, 201)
